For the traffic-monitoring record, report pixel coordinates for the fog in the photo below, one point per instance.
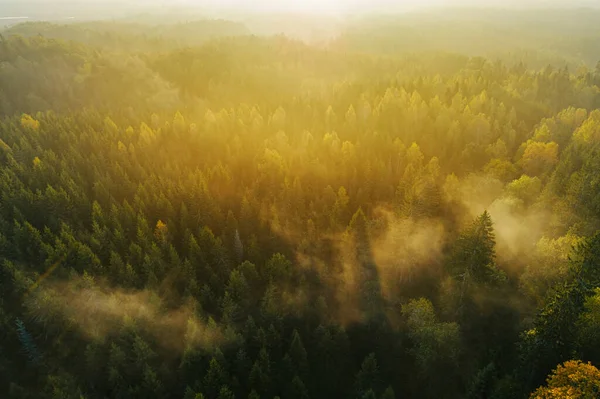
(96, 9)
(96, 311)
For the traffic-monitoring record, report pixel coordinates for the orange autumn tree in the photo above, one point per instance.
(573, 380)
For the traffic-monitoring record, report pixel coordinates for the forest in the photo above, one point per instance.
(192, 210)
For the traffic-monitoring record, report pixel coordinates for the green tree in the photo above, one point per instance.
(298, 390)
(368, 378)
(388, 393)
(215, 378)
(553, 338)
(436, 345)
(473, 259)
(225, 393)
(260, 374)
(298, 355)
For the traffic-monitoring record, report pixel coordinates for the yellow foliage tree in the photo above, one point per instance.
(28, 122)
(179, 122)
(589, 130)
(571, 380)
(110, 126)
(161, 231)
(147, 135)
(539, 158)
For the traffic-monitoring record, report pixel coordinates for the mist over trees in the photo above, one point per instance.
(395, 207)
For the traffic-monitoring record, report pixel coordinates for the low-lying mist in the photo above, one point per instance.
(97, 310)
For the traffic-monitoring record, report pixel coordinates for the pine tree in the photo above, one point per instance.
(215, 378)
(473, 259)
(553, 338)
(388, 393)
(370, 394)
(225, 393)
(260, 375)
(298, 355)
(367, 378)
(238, 247)
(27, 343)
(298, 390)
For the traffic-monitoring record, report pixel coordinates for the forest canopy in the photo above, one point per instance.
(401, 207)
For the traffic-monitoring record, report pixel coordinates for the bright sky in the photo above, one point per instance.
(343, 6)
(305, 6)
(325, 6)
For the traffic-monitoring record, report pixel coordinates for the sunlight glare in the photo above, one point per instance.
(317, 6)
